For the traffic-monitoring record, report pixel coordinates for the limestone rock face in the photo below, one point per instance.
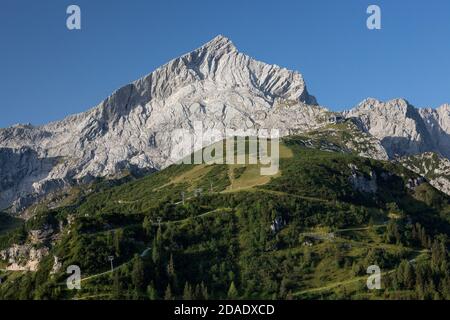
(23, 257)
(417, 138)
(437, 122)
(132, 129)
(403, 129)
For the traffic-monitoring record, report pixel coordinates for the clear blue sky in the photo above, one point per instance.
(48, 72)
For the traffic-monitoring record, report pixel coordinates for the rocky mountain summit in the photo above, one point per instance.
(131, 129)
(403, 129)
(215, 84)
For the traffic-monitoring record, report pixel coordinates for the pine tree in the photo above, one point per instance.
(436, 296)
(118, 235)
(306, 255)
(117, 289)
(172, 274)
(371, 223)
(232, 292)
(168, 293)
(283, 291)
(429, 290)
(435, 255)
(408, 276)
(204, 291)
(137, 274)
(157, 247)
(155, 252)
(439, 256)
(171, 267)
(187, 292)
(392, 234)
(151, 292)
(197, 292)
(110, 239)
(147, 225)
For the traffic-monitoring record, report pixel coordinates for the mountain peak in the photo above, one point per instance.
(219, 43)
(444, 108)
(388, 106)
(133, 128)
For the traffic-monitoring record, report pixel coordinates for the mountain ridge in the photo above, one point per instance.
(403, 128)
(215, 84)
(131, 128)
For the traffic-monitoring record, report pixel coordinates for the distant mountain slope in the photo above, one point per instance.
(346, 136)
(404, 129)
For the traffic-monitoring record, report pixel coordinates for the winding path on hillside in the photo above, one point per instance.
(354, 280)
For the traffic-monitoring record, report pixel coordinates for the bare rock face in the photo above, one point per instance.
(437, 122)
(435, 168)
(131, 129)
(25, 166)
(23, 257)
(362, 182)
(57, 265)
(403, 129)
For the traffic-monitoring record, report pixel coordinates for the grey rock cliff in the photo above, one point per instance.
(403, 129)
(132, 128)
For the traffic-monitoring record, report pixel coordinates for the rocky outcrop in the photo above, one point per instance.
(277, 224)
(413, 183)
(23, 257)
(40, 236)
(435, 168)
(27, 256)
(362, 182)
(57, 265)
(23, 172)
